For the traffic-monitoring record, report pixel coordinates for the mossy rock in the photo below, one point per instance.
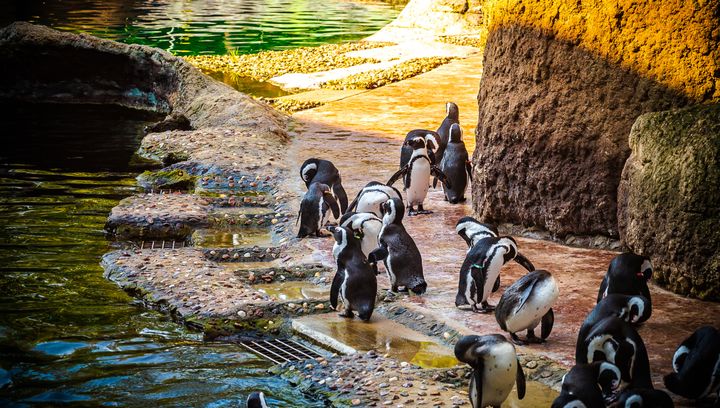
(173, 179)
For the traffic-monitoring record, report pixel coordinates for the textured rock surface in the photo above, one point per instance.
(562, 84)
(669, 198)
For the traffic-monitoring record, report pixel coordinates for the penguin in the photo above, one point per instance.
(456, 166)
(256, 400)
(527, 303)
(366, 226)
(616, 341)
(496, 369)
(431, 139)
(314, 209)
(371, 198)
(588, 386)
(354, 283)
(696, 366)
(398, 251)
(324, 171)
(644, 398)
(480, 271)
(627, 274)
(452, 117)
(633, 309)
(416, 176)
(472, 230)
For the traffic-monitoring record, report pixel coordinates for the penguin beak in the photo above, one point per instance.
(331, 228)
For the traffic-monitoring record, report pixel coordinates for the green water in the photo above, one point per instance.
(207, 26)
(67, 335)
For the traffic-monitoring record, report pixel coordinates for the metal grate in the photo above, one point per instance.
(162, 244)
(280, 351)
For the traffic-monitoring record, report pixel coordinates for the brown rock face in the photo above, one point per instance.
(552, 132)
(669, 198)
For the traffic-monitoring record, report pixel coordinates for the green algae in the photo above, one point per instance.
(166, 179)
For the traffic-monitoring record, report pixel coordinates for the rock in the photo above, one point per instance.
(669, 198)
(173, 121)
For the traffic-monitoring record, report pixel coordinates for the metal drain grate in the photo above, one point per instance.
(161, 244)
(280, 351)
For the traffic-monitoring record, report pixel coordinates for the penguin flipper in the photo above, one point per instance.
(477, 378)
(526, 289)
(520, 380)
(395, 177)
(524, 262)
(341, 196)
(332, 204)
(378, 254)
(335, 289)
(435, 171)
(496, 286)
(546, 324)
(603, 287)
(468, 168)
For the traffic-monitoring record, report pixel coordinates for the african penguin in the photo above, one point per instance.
(354, 283)
(256, 400)
(696, 366)
(324, 171)
(472, 230)
(481, 269)
(527, 303)
(616, 341)
(456, 166)
(452, 116)
(364, 225)
(496, 369)
(627, 274)
(588, 386)
(633, 309)
(416, 176)
(431, 139)
(398, 251)
(372, 197)
(644, 398)
(314, 209)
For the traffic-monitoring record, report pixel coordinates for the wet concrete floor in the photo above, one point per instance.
(362, 135)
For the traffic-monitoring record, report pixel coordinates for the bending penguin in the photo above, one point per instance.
(696, 366)
(324, 171)
(452, 117)
(314, 209)
(256, 400)
(644, 398)
(354, 283)
(588, 386)
(371, 198)
(627, 274)
(416, 176)
(456, 166)
(481, 269)
(527, 303)
(431, 139)
(398, 251)
(496, 369)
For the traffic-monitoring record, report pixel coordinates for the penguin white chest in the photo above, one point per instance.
(499, 372)
(541, 300)
(343, 289)
(419, 182)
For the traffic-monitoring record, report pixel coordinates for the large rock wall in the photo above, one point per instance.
(563, 82)
(669, 198)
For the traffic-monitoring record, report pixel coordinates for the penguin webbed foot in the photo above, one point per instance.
(421, 210)
(487, 307)
(411, 212)
(532, 338)
(515, 339)
(347, 314)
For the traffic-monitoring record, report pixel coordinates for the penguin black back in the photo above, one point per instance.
(354, 282)
(627, 274)
(696, 365)
(452, 116)
(324, 171)
(455, 164)
(590, 384)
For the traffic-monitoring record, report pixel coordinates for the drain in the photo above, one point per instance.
(280, 351)
(161, 244)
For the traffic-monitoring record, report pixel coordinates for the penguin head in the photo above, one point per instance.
(256, 400)
(455, 133)
(511, 245)
(431, 141)
(608, 378)
(471, 349)
(452, 111)
(631, 266)
(345, 239)
(638, 309)
(642, 397)
(392, 211)
(308, 170)
(416, 143)
(568, 401)
(472, 230)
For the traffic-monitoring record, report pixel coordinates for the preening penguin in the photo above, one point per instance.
(456, 166)
(354, 283)
(696, 366)
(371, 198)
(472, 231)
(616, 341)
(481, 269)
(256, 400)
(633, 309)
(588, 386)
(431, 140)
(367, 226)
(527, 303)
(416, 176)
(398, 251)
(452, 116)
(644, 398)
(324, 172)
(314, 209)
(495, 369)
(627, 274)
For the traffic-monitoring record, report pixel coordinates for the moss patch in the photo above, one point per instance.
(378, 78)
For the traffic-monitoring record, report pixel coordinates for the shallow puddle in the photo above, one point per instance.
(380, 334)
(239, 237)
(536, 395)
(293, 290)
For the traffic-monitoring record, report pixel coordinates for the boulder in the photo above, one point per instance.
(669, 198)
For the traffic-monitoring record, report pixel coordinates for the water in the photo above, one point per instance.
(209, 26)
(66, 333)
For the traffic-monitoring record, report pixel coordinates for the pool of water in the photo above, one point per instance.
(209, 26)
(66, 333)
